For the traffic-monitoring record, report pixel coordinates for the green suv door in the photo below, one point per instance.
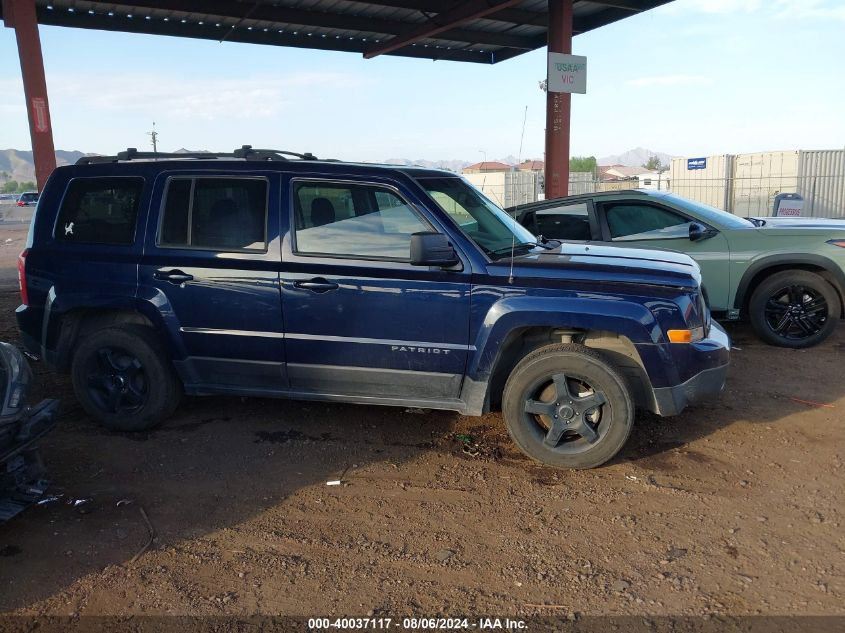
(648, 225)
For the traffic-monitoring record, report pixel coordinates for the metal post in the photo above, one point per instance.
(20, 15)
(558, 105)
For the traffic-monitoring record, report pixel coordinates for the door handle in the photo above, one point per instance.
(173, 276)
(318, 285)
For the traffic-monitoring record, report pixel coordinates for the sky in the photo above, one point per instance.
(691, 78)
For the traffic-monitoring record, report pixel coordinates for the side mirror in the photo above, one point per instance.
(697, 232)
(429, 248)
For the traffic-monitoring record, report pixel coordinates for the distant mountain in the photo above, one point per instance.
(17, 164)
(636, 157)
(450, 165)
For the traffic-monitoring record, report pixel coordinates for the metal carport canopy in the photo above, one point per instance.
(483, 31)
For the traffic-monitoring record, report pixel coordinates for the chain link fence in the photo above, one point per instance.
(749, 184)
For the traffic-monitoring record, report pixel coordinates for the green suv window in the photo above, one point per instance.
(642, 221)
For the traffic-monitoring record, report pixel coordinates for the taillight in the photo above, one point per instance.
(22, 276)
(20, 203)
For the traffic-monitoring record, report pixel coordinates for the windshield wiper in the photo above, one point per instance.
(547, 243)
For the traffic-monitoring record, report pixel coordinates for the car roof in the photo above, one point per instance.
(589, 196)
(324, 166)
(269, 159)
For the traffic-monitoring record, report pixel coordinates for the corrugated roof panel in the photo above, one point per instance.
(339, 24)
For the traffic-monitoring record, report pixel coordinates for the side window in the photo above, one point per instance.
(351, 220)
(570, 222)
(100, 210)
(219, 214)
(644, 222)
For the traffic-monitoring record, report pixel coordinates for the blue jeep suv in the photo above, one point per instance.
(267, 273)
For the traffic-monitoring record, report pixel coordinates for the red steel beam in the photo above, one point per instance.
(558, 105)
(20, 15)
(464, 12)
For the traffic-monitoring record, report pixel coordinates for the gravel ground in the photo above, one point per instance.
(734, 507)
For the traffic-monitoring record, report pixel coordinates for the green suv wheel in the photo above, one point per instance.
(794, 308)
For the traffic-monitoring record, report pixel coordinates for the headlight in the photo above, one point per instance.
(696, 317)
(691, 335)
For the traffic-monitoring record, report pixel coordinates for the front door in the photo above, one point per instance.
(647, 225)
(211, 267)
(359, 318)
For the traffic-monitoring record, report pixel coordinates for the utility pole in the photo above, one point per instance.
(154, 138)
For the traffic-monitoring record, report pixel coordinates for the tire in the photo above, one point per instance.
(794, 308)
(594, 416)
(123, 378)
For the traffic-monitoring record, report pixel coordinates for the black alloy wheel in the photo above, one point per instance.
(123, 378)
(794, 308)
(566, 405)
(568, 412)
(117, 381)
(796, 312)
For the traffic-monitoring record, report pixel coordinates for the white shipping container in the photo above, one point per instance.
(821, 182)
(759, 177)
(710, 185)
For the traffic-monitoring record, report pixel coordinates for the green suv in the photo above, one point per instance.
(786, 278)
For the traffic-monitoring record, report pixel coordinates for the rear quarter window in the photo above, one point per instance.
(100, 211)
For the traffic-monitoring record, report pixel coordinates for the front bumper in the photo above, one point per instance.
(713, 353)
(673, 400)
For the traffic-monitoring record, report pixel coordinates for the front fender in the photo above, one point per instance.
(760, 264)
(632, 320)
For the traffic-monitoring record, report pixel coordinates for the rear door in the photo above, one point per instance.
(639, 224)
(571, 222)
(360, 320)
(211, 267)
(87, 254)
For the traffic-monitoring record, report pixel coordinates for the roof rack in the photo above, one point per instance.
(245, 152)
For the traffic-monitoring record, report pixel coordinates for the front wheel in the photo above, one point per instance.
(566, 406)
(794, 308)
(123, 378)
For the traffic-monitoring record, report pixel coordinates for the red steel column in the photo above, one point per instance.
(558, 105)
(20, 14)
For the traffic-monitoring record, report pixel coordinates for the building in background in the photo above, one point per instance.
(504, 184)
(532, 165)
(616, 177)
(487, 167)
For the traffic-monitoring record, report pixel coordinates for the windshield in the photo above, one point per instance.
(709, 214)
(478, 217)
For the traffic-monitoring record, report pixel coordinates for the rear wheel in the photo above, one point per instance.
(794, 308)
(123, 378)
(566, 406)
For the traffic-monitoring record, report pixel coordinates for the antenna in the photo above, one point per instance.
(518, 161)
(154, 138)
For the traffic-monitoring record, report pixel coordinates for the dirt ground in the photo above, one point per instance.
(734, 507)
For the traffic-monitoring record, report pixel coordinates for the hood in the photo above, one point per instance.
(590, 262)
(795, 223)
